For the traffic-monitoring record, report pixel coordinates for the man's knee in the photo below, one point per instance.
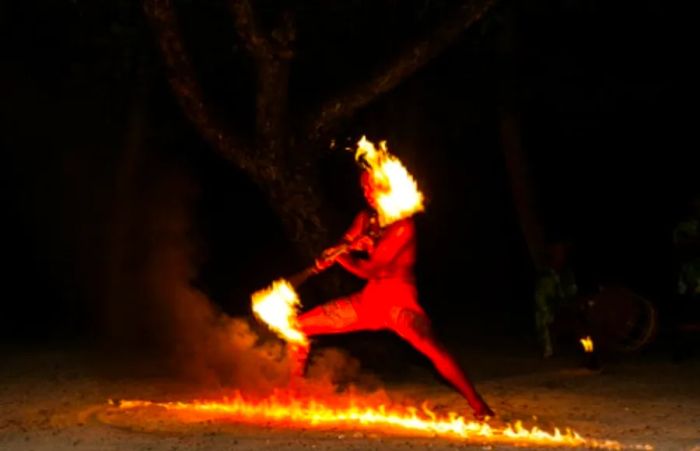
(341, 312)
(412, 325)
(329, 317)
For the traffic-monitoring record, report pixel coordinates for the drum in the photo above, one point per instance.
(620, 319)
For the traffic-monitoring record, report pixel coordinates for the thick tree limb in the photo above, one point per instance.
(271, 119)
(522, 188)
(277, 44)
(248, 29)
(289, 189)
(396, 70)
(182, 79)
(271, 52)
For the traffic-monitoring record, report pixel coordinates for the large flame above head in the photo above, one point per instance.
(587, 344)
(277, 307)
(398, 197)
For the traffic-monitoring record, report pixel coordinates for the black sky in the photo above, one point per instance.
(604, 90)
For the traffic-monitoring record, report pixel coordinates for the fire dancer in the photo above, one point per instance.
(389, 299)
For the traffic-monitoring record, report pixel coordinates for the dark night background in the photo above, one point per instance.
(100, 160)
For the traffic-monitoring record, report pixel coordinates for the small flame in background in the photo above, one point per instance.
(587, 344)
(288, 411)
(277, 307)
(399, 197)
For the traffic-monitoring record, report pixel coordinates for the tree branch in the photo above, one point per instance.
(183, 82)
(522, 189)
(274, 45)
(396, 70)
(290, 190)
(271, 52)
(248, 29)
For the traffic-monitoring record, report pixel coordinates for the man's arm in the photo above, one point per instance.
(356, 228)
(394, 241)
(352, 235)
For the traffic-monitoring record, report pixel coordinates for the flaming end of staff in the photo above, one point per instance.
(277, 306)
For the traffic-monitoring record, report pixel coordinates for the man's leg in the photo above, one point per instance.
(334, 317)
(414, 327)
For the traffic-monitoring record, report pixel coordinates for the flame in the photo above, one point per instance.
(353, 415)
(399, 197)
(587, 343)
(277, 307)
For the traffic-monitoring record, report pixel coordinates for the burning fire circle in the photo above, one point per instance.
(350, 414)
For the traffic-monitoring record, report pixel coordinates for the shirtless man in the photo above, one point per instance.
(389, 299)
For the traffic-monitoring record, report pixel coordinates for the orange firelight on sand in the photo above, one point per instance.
(277, 307)
(352, 414)
(587, 344)
(399, 196)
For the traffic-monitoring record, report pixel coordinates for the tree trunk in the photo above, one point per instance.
(298, 205)
(281, 167)
(522, 187)
(272, 121)
(120, 275)
(286, 175)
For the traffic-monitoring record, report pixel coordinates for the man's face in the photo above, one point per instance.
(368, 189)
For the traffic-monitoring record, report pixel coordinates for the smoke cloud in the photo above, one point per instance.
(155, 307)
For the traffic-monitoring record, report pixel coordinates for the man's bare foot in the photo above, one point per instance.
(483, 412)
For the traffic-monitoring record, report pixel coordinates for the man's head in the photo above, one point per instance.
(368, 188)
(372, 188)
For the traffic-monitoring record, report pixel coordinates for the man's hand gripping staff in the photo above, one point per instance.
(330, 256)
